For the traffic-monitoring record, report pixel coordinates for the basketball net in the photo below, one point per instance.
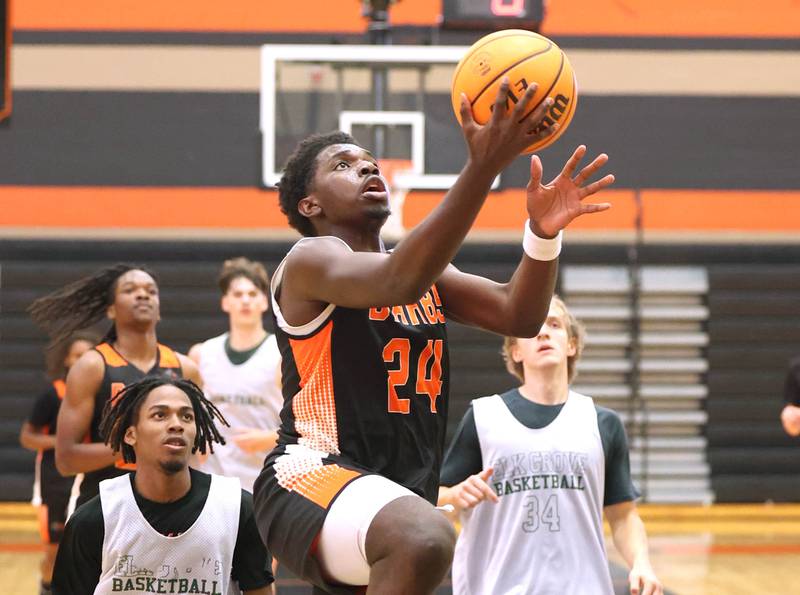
(393, 229)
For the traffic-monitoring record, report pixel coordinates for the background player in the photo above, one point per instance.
(128, 296)
(50, 489)
(550, 462)
(241, 374)
(346, 498)
(164, 528)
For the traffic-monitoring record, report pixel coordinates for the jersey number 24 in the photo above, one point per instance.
(429, 375)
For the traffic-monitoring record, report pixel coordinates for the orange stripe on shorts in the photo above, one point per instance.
(323, 484)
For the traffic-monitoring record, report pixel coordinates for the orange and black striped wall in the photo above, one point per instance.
(136, 116)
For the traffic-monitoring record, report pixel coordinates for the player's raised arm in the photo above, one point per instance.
(73, 455)
(518, 307)
(345, 180)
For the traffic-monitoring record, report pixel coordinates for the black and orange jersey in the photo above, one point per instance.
(118, 373)
(44, 417)
(369, 387)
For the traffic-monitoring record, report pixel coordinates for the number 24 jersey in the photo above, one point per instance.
(369, 387)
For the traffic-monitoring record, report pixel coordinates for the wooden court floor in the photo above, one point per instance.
(716, 550)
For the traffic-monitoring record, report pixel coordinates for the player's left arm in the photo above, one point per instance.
(518, 307)
(189, 369)
(619, 500)
(79, 561)
(630, 539)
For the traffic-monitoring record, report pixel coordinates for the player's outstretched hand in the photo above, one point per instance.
(643, 581)
(474, 490)
(498, 142)
(552, 206)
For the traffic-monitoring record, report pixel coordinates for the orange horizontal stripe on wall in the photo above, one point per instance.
(60, 206)
(716, 209)
(251, 208)
(714, 18)
(212, 15)
(690, 18)
(673, 210)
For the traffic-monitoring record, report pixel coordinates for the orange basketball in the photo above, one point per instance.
(525, 57)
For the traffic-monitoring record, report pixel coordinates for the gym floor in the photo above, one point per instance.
(716, 550)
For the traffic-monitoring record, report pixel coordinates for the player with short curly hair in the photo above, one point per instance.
(347, 497)
(298, 175)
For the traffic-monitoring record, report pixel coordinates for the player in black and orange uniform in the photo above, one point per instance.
(51, 490)
(347, 496)
(128, 296)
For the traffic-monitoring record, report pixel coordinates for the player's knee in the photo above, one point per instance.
(410, 531)
(430, 541)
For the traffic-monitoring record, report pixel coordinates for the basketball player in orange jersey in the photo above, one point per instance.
(128, 296)
(347, 497)
(51, 490)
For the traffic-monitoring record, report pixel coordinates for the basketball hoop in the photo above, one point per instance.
(394, 229)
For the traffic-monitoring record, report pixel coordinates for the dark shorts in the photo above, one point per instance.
(55, 491)
(291, 503)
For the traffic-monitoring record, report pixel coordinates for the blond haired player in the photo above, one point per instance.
(550, 463)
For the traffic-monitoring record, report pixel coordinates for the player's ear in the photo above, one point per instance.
(111, 312)
(309, 207)
(262, 301)
(516, 353)
(572, 347)
(130, 436)
(223, 304)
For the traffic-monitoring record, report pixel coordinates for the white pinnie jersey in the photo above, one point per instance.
(138, 559)
(545, 535)
(248, 395)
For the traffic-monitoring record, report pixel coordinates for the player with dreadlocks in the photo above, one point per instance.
(135, 536)
(128, 296)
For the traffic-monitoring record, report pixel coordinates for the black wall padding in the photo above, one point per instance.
(754, 304)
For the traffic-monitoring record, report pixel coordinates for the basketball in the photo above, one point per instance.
(526, 58)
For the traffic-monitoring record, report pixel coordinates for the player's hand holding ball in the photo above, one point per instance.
(497, 143)
(515, 92)
(519, 73)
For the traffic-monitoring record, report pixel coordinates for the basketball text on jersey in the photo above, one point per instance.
(550, 470)
(198, 560)
(238, 399)
(129, 578)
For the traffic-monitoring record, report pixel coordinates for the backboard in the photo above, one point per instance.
(395, 100)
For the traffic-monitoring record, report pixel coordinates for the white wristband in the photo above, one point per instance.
(540, 248)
